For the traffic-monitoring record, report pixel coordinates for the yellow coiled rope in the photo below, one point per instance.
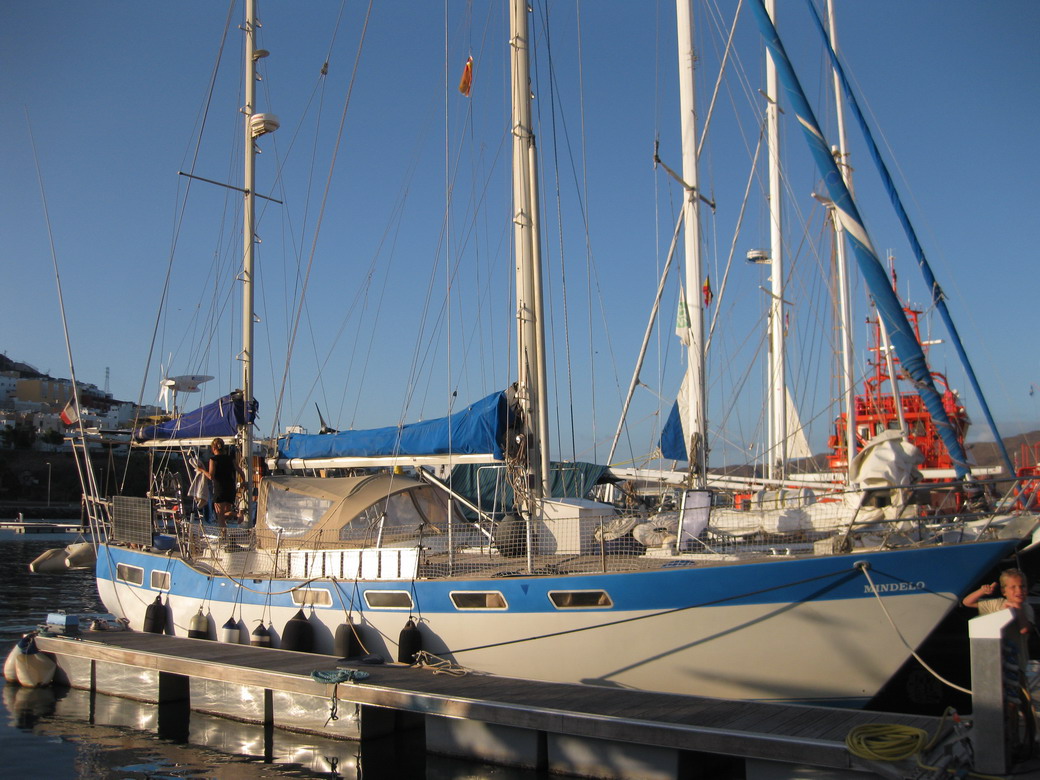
(894, 742)
(885, 741)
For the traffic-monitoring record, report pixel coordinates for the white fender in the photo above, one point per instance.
(33, 669)
(80, 555)
(49, 562)
(10, 672)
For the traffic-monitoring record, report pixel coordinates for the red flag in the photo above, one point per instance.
(708, 295)
(70, 414)
(466, 83)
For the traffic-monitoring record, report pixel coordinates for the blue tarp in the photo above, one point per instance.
(476, 430)
(222, 417)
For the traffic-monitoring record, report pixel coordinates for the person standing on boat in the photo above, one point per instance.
(220, 470)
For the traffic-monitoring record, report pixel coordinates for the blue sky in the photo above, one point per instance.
(115, 94)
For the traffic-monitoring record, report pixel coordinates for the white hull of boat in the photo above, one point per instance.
(808, 630)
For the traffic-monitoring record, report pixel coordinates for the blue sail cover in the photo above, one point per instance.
(222, 417)
(476, 430)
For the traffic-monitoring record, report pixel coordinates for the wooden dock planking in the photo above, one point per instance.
(778, 732)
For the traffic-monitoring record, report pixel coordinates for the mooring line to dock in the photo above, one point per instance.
(864, 567)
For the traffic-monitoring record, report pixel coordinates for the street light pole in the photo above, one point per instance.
(48, 485)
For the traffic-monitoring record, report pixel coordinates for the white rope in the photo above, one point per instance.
(863, 567)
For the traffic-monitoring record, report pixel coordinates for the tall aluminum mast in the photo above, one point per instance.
(777, 380)
(248, 240)
(530, 317)
(694, 411)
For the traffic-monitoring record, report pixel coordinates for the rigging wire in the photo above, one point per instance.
(178, 222)
(324, 203)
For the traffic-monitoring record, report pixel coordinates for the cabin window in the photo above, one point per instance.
(401, 516)
(478, 600)
(580, 599)
(160, 580)
(294, 514)
(388, 599)
(312, 597)
(132, 574)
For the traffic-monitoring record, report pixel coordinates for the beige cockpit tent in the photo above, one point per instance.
(370, 511)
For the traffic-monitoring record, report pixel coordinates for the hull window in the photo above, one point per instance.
(132, 574)
(580, 599)
(388, 599)
(478, 600)
(160, 580)
(312, 597)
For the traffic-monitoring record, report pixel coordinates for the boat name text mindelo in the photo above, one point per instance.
(891, 587)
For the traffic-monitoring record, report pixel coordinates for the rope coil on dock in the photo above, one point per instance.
(439, 665)
(333, 676)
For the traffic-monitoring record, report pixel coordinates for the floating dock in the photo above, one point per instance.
(44, 530)
(581, 730)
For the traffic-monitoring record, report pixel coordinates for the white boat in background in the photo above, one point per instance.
(366, 543)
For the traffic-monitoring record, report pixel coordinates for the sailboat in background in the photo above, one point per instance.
(367, 541)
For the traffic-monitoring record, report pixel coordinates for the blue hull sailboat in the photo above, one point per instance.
(366, 534)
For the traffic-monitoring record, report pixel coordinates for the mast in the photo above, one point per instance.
(248, 238)
(693, 407)
(777, 358)
(531, 373)
(841, 260)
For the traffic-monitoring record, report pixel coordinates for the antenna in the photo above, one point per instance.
(321, 420)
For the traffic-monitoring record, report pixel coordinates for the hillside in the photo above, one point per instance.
(24, 370)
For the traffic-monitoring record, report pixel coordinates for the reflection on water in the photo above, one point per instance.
(62, 733)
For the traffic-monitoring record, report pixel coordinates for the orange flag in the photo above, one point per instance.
(466, 83)
(708, 294)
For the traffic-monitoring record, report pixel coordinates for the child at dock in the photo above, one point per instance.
(1014, 587)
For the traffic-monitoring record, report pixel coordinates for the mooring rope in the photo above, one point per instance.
(863, 566)
(439, 665)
